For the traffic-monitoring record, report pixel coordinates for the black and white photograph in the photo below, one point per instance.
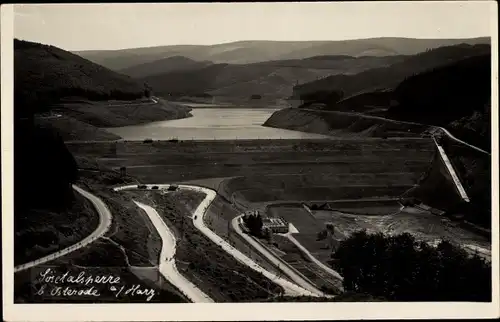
(250, 153)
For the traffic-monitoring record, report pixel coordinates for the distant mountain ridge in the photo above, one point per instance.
(245, 52)
(279, 79)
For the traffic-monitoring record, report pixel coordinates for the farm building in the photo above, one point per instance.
(275, 224)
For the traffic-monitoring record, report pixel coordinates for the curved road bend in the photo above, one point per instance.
(290, 288)
(166, 263)
(102, 228)
(451, 136)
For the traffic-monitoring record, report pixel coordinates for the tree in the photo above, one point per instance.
(400, 268)
(254, 223)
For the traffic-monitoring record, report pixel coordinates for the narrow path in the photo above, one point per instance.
(166, 261)
(312, 258)
(433, 128)
(102, 228)
(154, 100)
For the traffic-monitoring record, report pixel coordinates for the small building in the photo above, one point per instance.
(275, 224)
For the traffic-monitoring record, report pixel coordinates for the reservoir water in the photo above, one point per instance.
(213, 124)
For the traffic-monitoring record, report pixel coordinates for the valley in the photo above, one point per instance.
(177, 150)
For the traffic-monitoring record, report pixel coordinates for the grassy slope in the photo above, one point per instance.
(47, 211)
(337, 123)
(40, 232)
(474, 171)
(72, 129)
(49, 78)
(101, 114)
(244, 52)
(101, 258)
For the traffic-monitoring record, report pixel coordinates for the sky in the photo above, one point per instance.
(116, 26)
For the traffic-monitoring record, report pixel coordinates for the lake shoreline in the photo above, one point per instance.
(228, 123)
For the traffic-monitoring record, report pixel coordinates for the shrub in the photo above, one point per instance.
(322, 235)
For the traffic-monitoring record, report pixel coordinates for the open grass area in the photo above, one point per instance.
(204, 263)
(40, 232)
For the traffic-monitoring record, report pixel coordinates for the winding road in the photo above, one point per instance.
(167, 265)
(290, 289)
(104, 224)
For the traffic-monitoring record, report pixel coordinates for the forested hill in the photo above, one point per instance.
(44, 74)
(456, 96)
(390, 76)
